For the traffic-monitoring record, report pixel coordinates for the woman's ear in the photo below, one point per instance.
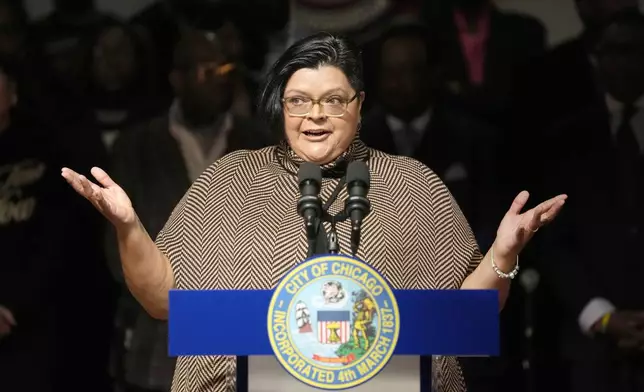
(360, 101)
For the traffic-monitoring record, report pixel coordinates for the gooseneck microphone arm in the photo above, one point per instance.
(309, 205)
(357, 206)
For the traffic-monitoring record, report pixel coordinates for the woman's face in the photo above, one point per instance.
(327, 130)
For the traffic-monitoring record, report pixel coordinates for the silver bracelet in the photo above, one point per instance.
(511, 275)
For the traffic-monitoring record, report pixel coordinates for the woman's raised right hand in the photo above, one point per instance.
(108, 198)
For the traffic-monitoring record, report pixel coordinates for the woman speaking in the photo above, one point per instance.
(237, 227)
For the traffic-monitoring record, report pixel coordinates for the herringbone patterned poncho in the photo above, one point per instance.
(238, 228)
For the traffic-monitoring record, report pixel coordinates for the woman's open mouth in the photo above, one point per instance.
(316, 134)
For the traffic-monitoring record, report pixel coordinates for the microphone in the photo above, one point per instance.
(357, 206)
(309, 205)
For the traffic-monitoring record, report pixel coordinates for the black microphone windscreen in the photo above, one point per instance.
(358, 171)
(309, 171)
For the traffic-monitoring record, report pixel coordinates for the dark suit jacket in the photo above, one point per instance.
(553, 85)
(546, 91)
(514, 40)
(594, 248)
(452, 139)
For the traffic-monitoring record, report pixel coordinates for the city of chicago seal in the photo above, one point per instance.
(333, 322)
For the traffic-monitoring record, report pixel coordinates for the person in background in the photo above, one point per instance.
(64, 38)
(156, 162)
(562, 80)
(19, 49)
(120, 93)
(46, 328)
(482, 48)
(599, 161)
(555, 87)
(30, 262)
(14, 23)
(411, 119)
(223, 19)
(162, 21)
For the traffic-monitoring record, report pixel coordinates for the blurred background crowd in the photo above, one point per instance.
(476, 92)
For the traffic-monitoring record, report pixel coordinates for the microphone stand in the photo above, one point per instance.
(334, 246)
(355, 239)
(312, 227)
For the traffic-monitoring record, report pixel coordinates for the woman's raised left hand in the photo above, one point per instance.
(517, 228)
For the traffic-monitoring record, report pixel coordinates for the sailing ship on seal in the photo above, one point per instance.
(303, 317)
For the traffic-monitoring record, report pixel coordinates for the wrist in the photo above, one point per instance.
(503, 271)
(125, 229)
(504, 259)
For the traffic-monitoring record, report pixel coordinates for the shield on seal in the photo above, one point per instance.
(334, 326)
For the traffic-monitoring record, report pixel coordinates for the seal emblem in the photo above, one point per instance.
(333, 322)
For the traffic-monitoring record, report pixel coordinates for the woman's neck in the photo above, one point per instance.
(335, 168)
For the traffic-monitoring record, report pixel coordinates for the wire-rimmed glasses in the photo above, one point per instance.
(332, 106)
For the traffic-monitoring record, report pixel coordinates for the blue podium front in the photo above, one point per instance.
(333, 323)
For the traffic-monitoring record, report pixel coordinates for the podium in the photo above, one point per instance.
(367, 339)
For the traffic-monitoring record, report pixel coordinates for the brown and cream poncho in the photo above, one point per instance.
(238, 228)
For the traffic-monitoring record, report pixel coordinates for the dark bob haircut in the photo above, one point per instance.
(311, 52)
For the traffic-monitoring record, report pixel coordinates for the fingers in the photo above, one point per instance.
(69, 175)
(545, 212)
(519, 202)
(102, 177)
(551, 208)
(73, 179)
(82, 185)
(552, 213)
(535, 221)
(548, 204)
(87, 187)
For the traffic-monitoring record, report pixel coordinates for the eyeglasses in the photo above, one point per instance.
(331, 106)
